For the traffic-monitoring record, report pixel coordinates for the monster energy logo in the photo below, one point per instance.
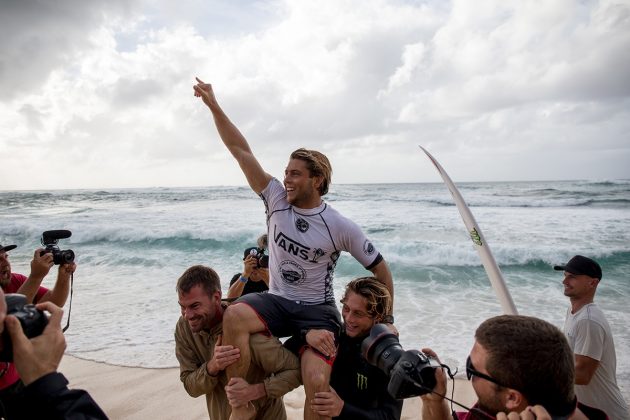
(476, 238)
(361, 381)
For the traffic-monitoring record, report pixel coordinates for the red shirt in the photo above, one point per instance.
(10, 375)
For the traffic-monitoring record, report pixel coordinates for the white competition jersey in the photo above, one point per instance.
(304, 245)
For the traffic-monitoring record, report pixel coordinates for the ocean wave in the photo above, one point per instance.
(607, 202)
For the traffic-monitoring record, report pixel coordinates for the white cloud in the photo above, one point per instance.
(105, 90)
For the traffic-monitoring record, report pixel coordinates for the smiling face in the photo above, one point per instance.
(5, 269)
(578, 286)
(200, 310)
(302, 189)
(357, 321)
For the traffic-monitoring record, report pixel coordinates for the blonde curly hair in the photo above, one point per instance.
(379, 300)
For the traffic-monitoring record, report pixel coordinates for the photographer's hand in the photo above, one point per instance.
(327, 404)
(40, 266)
(222, 357)
(323, 341)
(249, 265)
(434, 406)
(66, 270)
(59, 294)
(440, 378)
(537, 412)
(40, 355)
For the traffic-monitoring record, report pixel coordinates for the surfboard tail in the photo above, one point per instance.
(476, 235)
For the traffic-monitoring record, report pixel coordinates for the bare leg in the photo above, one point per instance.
(316, 377)
(239, 321)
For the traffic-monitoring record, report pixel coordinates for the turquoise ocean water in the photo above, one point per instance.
(132, 244)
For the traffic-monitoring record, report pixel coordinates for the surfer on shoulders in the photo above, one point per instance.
(306, 238)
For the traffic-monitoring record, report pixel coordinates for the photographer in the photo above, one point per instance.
(358, 390)
(45, 393)
(30, 286)
(516, 362)
(255, 275)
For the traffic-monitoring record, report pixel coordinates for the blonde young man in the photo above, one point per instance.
(306, 238)
(358, 390)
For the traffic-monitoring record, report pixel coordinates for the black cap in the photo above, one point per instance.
(249, 252)
(7, 248)
(581, 265)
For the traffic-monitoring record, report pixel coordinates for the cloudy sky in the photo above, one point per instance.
(98, 94)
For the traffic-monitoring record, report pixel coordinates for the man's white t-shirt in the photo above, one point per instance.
(589, 335)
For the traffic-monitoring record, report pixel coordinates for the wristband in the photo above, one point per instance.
(243, 279)
(388, 319)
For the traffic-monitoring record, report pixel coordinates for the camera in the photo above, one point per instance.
(411, 372)
(33, 322)
(50, 239)
(262, 260)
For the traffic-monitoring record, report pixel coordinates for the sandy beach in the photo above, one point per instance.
(140, 393)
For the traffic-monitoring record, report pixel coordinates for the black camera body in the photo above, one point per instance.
(411, 372)
(262, 260)
(50, 239)
(32, 319)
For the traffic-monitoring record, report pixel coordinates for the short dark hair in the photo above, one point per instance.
(199, 275)
(379, 300)
(317, 164)
(531, 356)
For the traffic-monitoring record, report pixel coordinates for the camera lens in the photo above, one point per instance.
(410, 372)
(66, 256)
(381, 348)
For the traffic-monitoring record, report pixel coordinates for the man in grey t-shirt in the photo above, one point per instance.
(306, 237)
(591, 339)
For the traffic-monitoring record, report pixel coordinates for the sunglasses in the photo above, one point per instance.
(471, 371)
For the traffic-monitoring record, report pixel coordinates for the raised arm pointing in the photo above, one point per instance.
(233, 139)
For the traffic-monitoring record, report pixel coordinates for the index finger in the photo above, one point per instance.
(429, 352)
(540, 412)
(55, 313)
(200, 81)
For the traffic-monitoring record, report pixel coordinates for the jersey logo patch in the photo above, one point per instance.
(301, 224)
(318, 254)
(290, 246)
(362, 382)
(292, 273)
(368, 248)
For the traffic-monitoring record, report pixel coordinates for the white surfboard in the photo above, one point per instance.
(483, 249)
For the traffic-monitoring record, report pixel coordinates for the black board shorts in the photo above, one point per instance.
(284, 317)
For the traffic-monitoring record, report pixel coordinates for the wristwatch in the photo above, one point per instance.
(388, 319)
